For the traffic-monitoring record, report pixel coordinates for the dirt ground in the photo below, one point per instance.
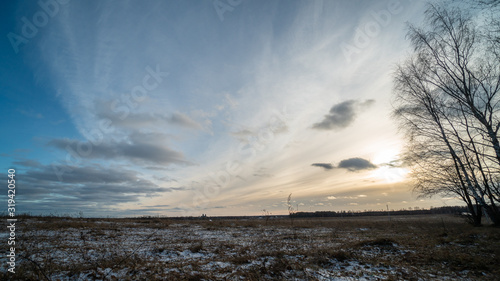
(429, 247)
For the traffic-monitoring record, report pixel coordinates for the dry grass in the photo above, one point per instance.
(374, 248)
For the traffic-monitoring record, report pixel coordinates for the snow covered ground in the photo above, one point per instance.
(277, 249)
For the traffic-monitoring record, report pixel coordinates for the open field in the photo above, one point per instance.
(427, 247)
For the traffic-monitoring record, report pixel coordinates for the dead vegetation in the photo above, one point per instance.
(374, 248)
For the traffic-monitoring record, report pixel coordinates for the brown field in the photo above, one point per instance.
(429, 247)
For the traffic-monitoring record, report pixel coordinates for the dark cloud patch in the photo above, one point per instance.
(356, 164)
(87, 188)
(165, 179)
(139, 148)
(156, 168)
(148, 152)
(27, 163)
(158, 206)
(351, 164)
(341, 115)
(125, 119)
(180, 188)
(326, 166)
(80, 175)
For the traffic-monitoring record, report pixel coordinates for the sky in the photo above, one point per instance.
(226, 107)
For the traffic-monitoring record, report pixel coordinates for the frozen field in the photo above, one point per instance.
(367, 248)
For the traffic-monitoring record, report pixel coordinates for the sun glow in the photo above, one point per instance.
(388, 170)
(386, 156)
(390, 174)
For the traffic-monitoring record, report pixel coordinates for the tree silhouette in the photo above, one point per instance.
(447, 104)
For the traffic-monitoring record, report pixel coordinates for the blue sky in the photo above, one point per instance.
(129, 108)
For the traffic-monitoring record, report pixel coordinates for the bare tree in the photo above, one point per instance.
(447, 103)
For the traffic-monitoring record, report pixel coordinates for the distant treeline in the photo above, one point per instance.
(457, 210)
(438, 210)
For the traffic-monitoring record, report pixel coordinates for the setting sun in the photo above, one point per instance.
(390, 174)
(387, 169)
(386, 156)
